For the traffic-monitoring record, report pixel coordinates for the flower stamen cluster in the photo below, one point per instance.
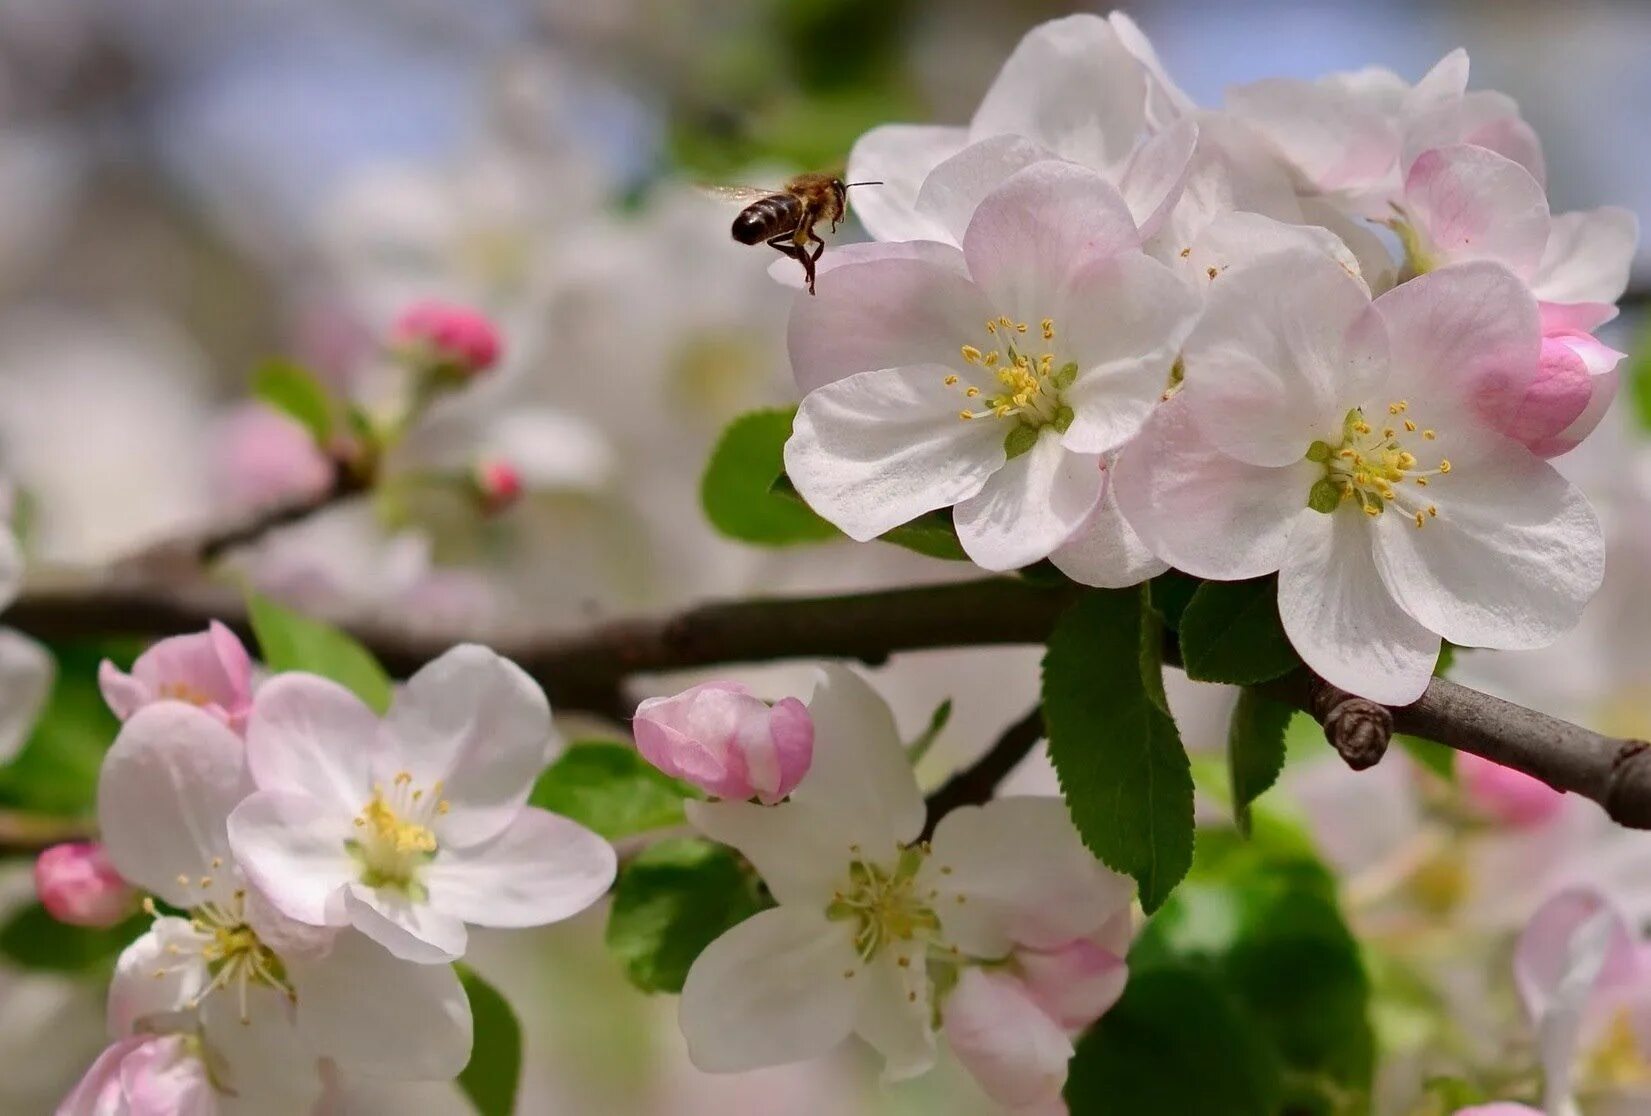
(1031, 383)
(886, 904)
(396, 832)
(1368, 467)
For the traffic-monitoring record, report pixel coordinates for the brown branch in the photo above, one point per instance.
(979, 781)
(346, 482)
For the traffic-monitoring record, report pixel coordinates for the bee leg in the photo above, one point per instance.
(785, 245)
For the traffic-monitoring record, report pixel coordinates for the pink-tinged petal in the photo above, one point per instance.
(1472, 204)
(1123, 322)
(1033, 235)
(377, 1016)
(1501, 1108)
(1491, 119)
(475, 722)
(1510, 797)
(123, 694)
(1554, 398)
(136, 993)
(164, 1077)
(1463, 341)
(1166, 101)
(782, 986)
(99, 1092)
(1202, 511)
(1604, 393)
(542, 869)
(236, 666)
(860, 774)
(1106, 552)
(900, 156)
(1072, 86)
(786, 272)
(1024, 875)
(790, 742)
(1286, 343)
(78, 885)
(1075, 984)
(801, 851)
(877, 449)
(890, 312)
(955, 188)
(168, 783)
(1031, 506)
(1511, 559)
(27, 673)
(1158, 174)
(691, 735)
(1334, 140)
(262, 458)
(411, 931)
(1355, 242)
(309, 735)
(1341, 618)
(1015, 1051)
(1236, 240)
(293, 849)
(895, 1011)
(1588, 257)
(209, 669)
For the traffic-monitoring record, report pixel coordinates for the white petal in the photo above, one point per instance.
(98, 1092)
(802, 852)
(541, 869)
(860, 772)
(411, 931)
(1340, 617)
(309, 735)
(1200, 510)
(550, 449)
(774, 989)
(11, 566)
(900, 156)
(1588, 257)
(475, 722)
(27, 671)
(168, 783)
(1472, 204)
(1335, 139)
(897, 309)
(1016, 1052)
(1031, 506)
(382, 1017)
(877, 449)
(1123, 321)
(1106, 551)
(1031, 236)
(1514, 555)
(1236, 240)
(152, 980)
(1158, 173)
(785, 271)
(261, 1056)
(895, 1010)
(1166, 101)
(1023, 875)
(1284, 347)
(955, 188)
(1071, 86)
(292, 847)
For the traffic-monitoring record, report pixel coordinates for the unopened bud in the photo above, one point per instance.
(727, 742)
(1504, 795)
(448, 339)
(77, 885)
(498, 484)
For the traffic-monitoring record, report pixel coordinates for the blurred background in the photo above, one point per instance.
(191, 187)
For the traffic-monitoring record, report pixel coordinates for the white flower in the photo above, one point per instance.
(994, 378)
(411, 827)
(267, 998)
(1347, 445)
(867, 919)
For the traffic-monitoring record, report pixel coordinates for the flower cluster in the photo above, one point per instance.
(1001, 931)
(1330, 331)
(310, 869)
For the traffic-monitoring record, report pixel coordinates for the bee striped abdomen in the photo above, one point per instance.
(766, 218)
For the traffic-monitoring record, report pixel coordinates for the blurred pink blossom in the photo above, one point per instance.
(77, 885)
(1505, 795)
(727, 742)
(262, 458)
(208, 669)
(455, 337)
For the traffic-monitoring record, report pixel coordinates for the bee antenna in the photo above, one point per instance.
(846, 185)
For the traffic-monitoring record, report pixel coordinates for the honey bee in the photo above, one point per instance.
(784, 219)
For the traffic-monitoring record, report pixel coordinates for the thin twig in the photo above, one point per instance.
(979, 781)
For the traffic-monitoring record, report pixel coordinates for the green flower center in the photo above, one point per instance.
(1370, 465)
(885, 904)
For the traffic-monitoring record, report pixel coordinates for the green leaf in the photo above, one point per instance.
(33, 939)
(1170, 592)
(1434, 756)
(1120, 761)
(495, 1068)
(938, 720)
(1151, 655)
(294, 390)
(931, 534)
(290, 641)
(1639, 378)
(737, 490)
(1230, 632)
(671, 902)
(1263, 915)
(1177, 1042)
(1255, 750)
(607, 787)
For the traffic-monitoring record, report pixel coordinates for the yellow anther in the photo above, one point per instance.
(951, 381)
(971, 354)
(1410, 426)
(991, 327)
(1004, 322)
(1429, 435)
(1444, 466)
(1422, 481)
(1372, 510)
(1049, 329)
(991, 359)
(1433, 510)
(1020, 327)
(972, 392)
(403, 778)
(1420, 519)
(965, 414)
(1362, 427)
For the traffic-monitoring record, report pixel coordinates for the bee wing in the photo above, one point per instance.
(742, 194)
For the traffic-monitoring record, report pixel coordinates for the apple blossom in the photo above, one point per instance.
(453, 340)
(871, 924)
(1347, 445)
(145, 1075)
(1499, 1109)
(262, 458)
(1505, 795)
(410, 827)
(77, 885)
(208, 669)
(498, 484)
(722, 739)
(266, 996)
(994, 378)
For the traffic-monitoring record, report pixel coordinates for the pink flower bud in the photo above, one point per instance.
(723, 740)
(1504, 795)
(1010, 1046)
(262, 458)
(1574, 383)
(209, 669)
(77, 885)
(498, 483)
(452, 338)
